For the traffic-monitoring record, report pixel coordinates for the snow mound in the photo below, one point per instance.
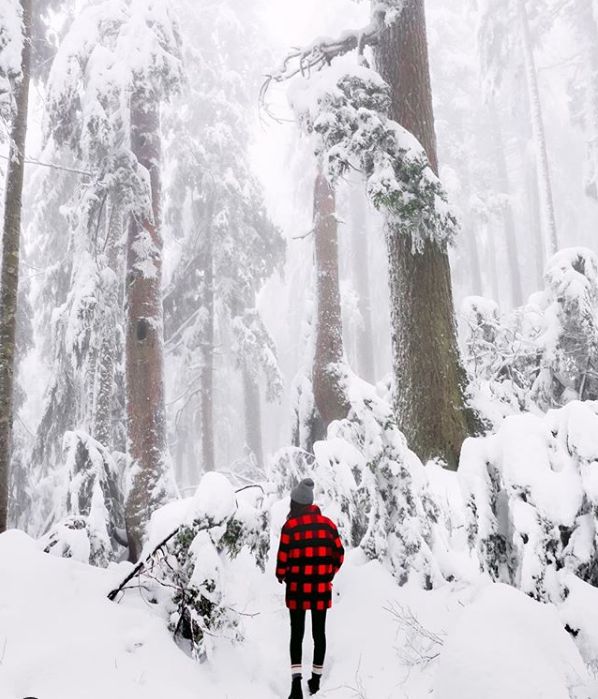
(507, 645)
(60, 637)
(579, 613)
(531, 492)
(213, 499)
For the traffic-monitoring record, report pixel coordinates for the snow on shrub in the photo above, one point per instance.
(346, 107)
(542, 355)
(374, 487)
(579, 614)
(87, 517)
(531, 494)
(184, 564)
(403, 525)
(569, 367)
(289, 466)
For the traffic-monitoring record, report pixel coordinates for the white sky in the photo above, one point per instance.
(300, 21)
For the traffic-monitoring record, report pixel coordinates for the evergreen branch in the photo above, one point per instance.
(141, 565)
(139, 568)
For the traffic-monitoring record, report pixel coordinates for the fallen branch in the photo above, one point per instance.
(138, 569)
(53, 166)
(420, 645)
(141, 565)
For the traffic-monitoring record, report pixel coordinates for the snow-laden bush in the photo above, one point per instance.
(507, 645)
(374, 487)
(184, 564)
(289, 466)
(501, 355)
(531, 494)
(542, 355)
(569, 368)
(87, 516)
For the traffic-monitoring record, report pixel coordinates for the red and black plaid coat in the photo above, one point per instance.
(309, 556)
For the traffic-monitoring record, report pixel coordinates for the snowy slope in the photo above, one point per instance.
(61, 639)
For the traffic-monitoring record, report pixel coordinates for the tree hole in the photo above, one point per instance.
(142, 329)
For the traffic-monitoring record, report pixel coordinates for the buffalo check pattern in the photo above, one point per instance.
(309, 556)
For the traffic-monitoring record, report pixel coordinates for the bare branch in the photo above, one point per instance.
(419, 645)
(53, 166)
(323, 51)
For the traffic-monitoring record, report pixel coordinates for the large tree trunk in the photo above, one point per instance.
(329, 393)
(427, 370)
(207, 354)
(361, 280)
(539, 135)
(253, 417)
(507, 210)
(9, 280)
(147, 447)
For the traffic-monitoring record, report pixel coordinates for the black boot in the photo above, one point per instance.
(296, 691)
(314, 683)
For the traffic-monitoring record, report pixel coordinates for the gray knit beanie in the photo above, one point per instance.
(304, 492)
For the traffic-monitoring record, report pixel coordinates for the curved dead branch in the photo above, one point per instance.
(304, 61)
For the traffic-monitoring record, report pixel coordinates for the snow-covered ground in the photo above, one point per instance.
(60, 638)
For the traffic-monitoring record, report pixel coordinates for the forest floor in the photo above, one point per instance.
(60, 638)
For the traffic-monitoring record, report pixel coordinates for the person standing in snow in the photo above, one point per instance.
(309, 556)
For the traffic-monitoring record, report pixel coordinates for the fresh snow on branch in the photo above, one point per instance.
(345, 109)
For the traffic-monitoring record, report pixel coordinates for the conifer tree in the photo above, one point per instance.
(20, 76)
(383, 124)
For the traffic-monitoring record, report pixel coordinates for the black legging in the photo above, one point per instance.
(318, 630)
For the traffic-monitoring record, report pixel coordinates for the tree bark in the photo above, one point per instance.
(329, 393)
(9, 274)
(427, 370)
(507, 210)
(147, 447)
(253, 417)
(361, 276)
(539, 135)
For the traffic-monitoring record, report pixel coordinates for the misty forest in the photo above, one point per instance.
(277, 271)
